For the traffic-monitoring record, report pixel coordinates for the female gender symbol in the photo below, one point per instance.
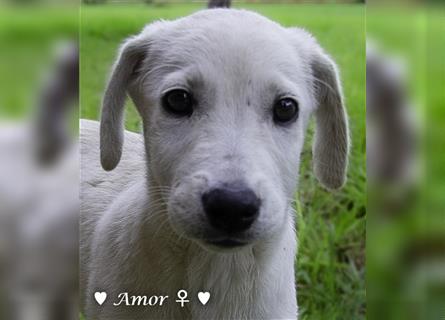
(182, 295)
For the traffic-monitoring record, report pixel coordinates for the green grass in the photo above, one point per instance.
(330, 266)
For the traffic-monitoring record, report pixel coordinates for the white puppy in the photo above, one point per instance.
(202, 202)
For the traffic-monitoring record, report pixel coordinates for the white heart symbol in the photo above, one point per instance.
(100, 297)
(204, 297)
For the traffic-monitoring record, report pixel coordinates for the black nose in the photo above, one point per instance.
(231, 208)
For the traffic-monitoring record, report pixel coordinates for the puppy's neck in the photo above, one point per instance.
(168, 262)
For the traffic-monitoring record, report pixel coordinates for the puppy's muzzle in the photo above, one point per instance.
(231, 208)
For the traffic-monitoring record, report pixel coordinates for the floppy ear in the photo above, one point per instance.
(112, 117)
(331, 146)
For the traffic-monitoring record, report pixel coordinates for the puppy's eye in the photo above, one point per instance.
(178, 102)
(285, 110)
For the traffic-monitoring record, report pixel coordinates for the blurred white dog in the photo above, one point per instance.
(202, 201)
(39, 202)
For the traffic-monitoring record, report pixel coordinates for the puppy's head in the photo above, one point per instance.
(225, 97)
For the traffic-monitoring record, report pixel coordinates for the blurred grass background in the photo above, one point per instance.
(330, 266)
(406, 235)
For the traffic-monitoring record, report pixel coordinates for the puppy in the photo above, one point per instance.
(203, 201)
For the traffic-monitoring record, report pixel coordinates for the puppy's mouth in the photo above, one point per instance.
(227, 243)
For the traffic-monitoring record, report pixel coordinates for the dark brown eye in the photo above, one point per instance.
(285, 110)
(178, 102)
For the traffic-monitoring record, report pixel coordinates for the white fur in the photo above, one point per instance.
(143, 227)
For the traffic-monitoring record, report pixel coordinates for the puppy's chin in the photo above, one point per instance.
(216, 242)
(215, 245)
(219, 244)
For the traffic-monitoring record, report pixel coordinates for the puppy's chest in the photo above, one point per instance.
(240, 287)
(233, 282)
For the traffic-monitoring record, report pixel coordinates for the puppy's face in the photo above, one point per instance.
(225, 98)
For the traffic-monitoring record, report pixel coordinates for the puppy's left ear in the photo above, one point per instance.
(331, 145)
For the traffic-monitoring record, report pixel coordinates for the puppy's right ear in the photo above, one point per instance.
(112, 119)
